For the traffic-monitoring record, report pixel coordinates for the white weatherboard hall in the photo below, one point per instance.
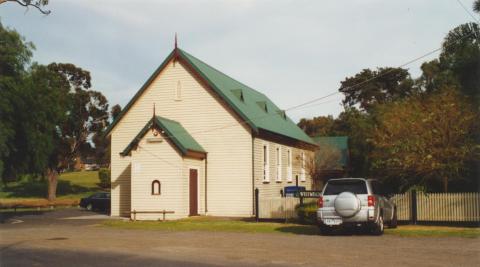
(196, 142)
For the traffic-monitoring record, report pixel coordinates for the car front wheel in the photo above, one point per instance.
(90, 207)
(394, 222)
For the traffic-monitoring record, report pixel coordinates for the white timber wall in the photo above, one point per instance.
(204, 116)
(158, 161)
(271, 189)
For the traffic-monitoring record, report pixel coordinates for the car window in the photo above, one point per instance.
(339, 186)
(107, 195)
(97, 195)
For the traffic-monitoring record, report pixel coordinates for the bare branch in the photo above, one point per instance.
(38, 5)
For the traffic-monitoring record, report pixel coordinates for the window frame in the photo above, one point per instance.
(155, 182)
(266, 162)
(278, 163)
(289, 166)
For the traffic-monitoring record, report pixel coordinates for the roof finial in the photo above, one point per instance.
(175, 40)
(153, 109)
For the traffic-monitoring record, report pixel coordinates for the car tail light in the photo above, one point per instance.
(371, 201)
(320, 202)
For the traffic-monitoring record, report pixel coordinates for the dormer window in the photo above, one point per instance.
(263, 105)
(282, 114)
(178, 91)
(239, 94)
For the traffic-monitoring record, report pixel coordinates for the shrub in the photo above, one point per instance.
(307, 213)
(104, 177)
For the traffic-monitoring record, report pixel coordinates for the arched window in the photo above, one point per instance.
(178, 91)
(156, 187)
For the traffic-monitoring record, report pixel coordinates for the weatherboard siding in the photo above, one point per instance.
(272, 188)
(158, 161)
(212, 125)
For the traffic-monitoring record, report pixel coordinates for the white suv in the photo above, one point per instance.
(355, 202)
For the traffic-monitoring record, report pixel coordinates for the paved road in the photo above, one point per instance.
(74, 238)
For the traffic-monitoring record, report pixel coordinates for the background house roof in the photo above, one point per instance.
(257, 110)
(335, 142)
(174, 131)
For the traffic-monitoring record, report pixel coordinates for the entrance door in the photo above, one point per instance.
(193, 192)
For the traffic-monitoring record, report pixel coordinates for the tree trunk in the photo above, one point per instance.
(52, 184)
(445, 184)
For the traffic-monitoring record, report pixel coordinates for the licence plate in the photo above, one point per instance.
(332, 221)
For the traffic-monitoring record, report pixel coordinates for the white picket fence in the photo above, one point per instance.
(431, 207)
(404, 206)
(440, 207)
(278, 207)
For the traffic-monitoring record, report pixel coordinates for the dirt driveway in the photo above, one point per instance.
(64, 238)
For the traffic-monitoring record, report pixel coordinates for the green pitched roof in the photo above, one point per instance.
(174, 131)
(336, 142)
(256, 109)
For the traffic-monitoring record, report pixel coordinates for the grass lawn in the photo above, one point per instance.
(434, 231)
(216, 225)
(246, 226)
(71, 187)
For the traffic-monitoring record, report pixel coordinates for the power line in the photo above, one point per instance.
(468, 11)
(307, 103)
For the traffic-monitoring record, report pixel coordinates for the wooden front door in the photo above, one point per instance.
(193, 192)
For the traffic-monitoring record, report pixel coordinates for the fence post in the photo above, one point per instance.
(414, 206)
(256, 204)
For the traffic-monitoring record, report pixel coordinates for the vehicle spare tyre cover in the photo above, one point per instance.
(347, 204)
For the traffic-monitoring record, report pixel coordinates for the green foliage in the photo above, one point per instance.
(461, 57)
(104, 177)
(371, 87)
(49, 113)
(353, 123)
(29, 137)
(318, 126)
(87, 114)
(71, 185)
(425, 139)
(421, 132)
(307, 213)
(15, 53)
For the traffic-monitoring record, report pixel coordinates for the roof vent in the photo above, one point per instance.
(282, 114)
(239, 94)
(263, 105)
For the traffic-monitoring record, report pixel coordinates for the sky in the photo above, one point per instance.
(292, 51)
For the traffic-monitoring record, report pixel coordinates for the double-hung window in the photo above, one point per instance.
(266, 165)
(278, 159)
(289, 165)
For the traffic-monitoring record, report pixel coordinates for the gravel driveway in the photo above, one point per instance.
(50, 239)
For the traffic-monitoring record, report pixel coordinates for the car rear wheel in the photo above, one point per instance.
(378, 227)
